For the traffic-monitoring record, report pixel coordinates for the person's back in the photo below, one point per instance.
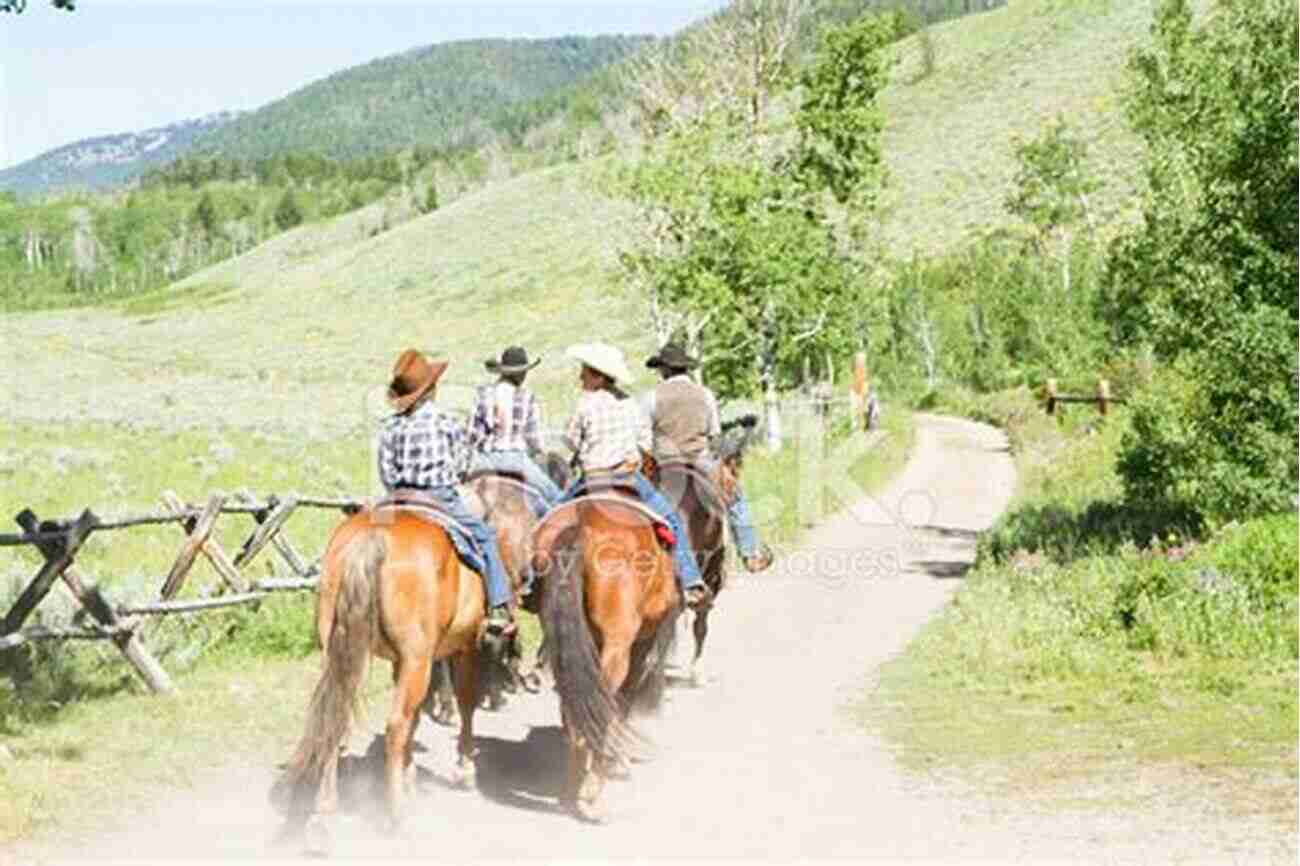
(684, 419)
(506, 427)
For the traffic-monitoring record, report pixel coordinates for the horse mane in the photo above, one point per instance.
(737, 436)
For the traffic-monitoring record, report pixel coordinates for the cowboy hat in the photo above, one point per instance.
(513, 360)
(603, 358)
(673, 357)
(413, 377)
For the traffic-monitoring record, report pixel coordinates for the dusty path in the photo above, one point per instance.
(763, 763)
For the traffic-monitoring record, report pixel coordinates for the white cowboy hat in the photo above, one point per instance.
(603, 358)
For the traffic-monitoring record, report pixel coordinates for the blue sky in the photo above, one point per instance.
(118, 66)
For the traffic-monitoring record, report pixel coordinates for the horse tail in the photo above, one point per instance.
(589, 709)
(336, 700)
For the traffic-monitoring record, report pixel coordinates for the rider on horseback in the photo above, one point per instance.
(608, 433)
(505, 430)
(422, 457)
(684, 418)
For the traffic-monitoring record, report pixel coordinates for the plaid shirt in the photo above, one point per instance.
(423, 448)
(506, 418)
(606, 432)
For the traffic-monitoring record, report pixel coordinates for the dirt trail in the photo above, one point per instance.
(763, 762)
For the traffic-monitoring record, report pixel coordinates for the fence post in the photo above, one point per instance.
(859, 392)
(1049, 393)
(58, 558)
(1103, 396)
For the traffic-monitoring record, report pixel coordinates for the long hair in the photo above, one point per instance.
(336, 700)
(590, 709)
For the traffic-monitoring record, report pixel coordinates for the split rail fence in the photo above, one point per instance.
(58, 542)
(1053, 399)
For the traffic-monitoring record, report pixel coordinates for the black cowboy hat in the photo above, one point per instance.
(672, 356)
(513, 360)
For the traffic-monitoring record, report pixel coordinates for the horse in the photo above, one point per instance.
(502, 500)
(609, 608)
(393, 586)
(700, 494)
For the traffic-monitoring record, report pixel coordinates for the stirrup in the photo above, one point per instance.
(697, 597)
(764, 557)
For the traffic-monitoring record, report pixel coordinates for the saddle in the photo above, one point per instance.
(565, 516)
(718, 477)
(418, 503)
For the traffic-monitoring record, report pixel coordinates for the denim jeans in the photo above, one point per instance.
(545, 492)
(494, 573)
(688, 571)
(742, 526)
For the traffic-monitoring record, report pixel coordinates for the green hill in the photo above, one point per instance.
(289, 336)
(441, 96)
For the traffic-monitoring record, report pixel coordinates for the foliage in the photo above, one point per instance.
(1209, 278)
(445, 96)
(742, 242)
(288, 213)
(991, 315)
(19, 5)
(1051, 187)
(838, 119)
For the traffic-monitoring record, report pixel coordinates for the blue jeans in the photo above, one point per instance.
(688, 571)
(545, 492)
(742, 526)
(494, 573)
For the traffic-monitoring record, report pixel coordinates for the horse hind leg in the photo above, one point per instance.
(465, 677)
(412, 680)
(440, 703)
(700, 629)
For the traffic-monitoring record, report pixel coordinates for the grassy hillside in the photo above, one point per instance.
(289, 335)
(949, 137)
(288, 338)
(441, 96)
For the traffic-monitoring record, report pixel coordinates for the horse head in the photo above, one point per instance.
(738, 435)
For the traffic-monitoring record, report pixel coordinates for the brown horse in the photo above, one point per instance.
(502, 500)
(392, 585)
(609, 608)
(700, 492)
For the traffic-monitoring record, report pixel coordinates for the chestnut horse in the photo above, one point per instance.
(610, 603)
(392, 585)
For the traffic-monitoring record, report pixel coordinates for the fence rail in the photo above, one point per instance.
(59, 541)
(1102, 398)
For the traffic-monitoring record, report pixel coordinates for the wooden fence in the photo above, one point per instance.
(58, 542)
(1053, 399)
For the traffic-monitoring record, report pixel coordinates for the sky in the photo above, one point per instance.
(123, 65)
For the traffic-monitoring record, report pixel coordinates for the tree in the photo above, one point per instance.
(1051, 187)
(17, 6)
(742, 252)
(1208, 280)
(288, 213)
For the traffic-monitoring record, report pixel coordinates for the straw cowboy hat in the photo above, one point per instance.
(513, 360)
(603, 358)
(673, 357)
(413, 377)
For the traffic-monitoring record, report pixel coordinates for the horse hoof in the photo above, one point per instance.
(316, 839)
(465, 777)
(588, 813)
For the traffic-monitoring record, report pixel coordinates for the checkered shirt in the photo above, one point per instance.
(606, 431)
(423, 448)
(506, 418)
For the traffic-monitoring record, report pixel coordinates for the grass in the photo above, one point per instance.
(1105, 641)
(83, 738)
